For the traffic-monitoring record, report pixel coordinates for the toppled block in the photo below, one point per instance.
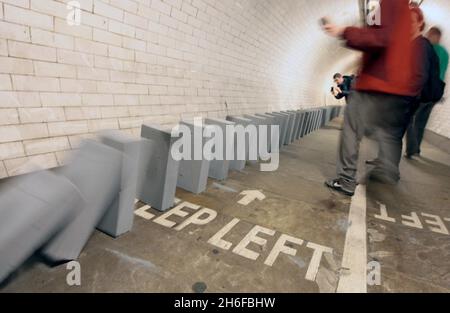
(300, 124)
(284, 131)
(193, 173)
(272, 121)
(291, 126)
(241, 145)
(220, 165)
(297, 117)
(33, 209)
(119, 217)
(262, 122)
(158, 171)
(95, 170)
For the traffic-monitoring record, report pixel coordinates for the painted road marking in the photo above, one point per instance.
(242, 250)
(412, 221)
(217, 240)
(199, 216)
(195, 219)
(435, 223)
(435, 220)
(250, 196)
(163, 219)
(384, 214)
(142, 212)
(281, 247)
(314, 264)
(355, 249)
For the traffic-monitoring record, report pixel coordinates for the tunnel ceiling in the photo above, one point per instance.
(317, 56)
(309, 52)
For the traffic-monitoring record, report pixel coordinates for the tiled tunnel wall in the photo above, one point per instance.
(131, 61)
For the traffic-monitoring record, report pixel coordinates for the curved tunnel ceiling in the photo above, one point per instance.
(312, 54)
(329, 56)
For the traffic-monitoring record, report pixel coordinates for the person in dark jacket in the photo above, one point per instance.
(344, 86)
(385, 91)
(432, 49)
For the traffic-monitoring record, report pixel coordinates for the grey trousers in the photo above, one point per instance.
(386, 118)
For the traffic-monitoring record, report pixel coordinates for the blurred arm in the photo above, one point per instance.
(376, 37)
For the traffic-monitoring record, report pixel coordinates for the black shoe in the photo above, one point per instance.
(337, 185)
(383, 178)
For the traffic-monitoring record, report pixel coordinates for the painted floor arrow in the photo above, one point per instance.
(250, 196)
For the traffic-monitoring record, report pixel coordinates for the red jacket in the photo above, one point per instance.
(389, 57)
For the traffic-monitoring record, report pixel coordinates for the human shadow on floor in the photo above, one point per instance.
(430, 166)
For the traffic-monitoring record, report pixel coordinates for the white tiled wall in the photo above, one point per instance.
(132, 61)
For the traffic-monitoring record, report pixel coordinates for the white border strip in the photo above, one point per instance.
(354, 263)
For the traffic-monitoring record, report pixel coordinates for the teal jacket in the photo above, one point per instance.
(443, 58)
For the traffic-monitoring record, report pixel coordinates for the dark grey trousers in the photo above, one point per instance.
(386, 118)
(416, 128)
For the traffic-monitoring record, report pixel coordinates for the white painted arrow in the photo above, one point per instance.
(250, 196)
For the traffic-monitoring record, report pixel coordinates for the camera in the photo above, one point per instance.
(324, 21)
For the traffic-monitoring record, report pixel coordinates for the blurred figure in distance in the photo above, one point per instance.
(344, 85)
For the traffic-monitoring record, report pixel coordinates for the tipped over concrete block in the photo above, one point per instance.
(284, 123)
(119, 217)
(220, 166)
(241, 145)
(158, 171)
(33, 209)
(193, 173)
(96, 171)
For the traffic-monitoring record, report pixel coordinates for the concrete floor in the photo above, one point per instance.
(415, 257)
(155, 258)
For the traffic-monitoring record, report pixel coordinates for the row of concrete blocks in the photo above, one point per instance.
(160, 174)
(57, 211)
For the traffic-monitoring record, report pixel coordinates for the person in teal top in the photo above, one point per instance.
(435, 35)
(419, 122)
(443, 58)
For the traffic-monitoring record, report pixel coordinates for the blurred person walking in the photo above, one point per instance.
(436, 62)
(385, 91)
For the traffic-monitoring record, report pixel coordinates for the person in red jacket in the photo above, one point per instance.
(384, 96)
